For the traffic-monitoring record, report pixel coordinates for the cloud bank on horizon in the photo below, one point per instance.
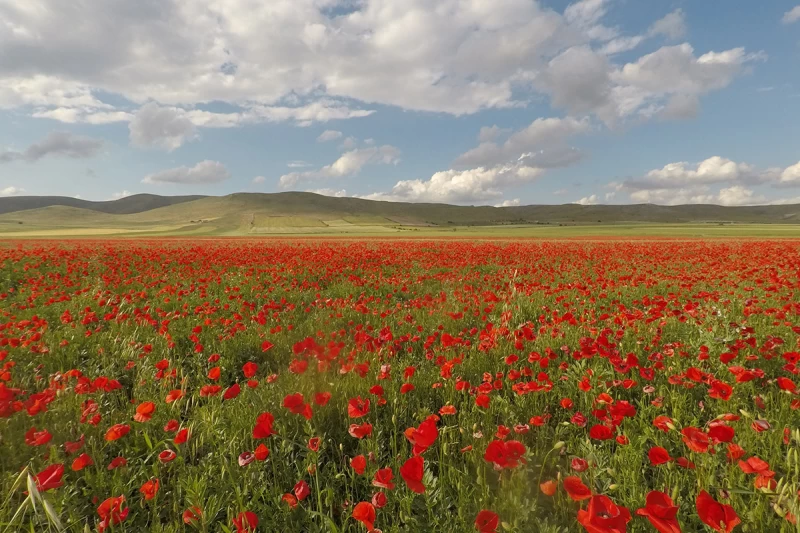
(493, 102)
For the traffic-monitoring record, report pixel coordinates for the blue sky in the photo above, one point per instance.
(496, 102)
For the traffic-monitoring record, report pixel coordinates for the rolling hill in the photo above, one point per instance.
(299, 212)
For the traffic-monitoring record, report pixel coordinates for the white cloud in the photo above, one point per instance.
(542, 144)
(57, 143)
(672, 25)
(160, 127)
(560, 192)
(588, 200)
(298, 164)
(791, 175)
(258, 180)
(304, 60)
(791, 16)
(120, 195)
(329, 135)
(735, 195)
(509, 203)
(204, 172)
(715, 169)
(75, 115)
(738, 195)
(350, 163)
(348, 144)
(330, 192)
(11, 191)
(477, 185)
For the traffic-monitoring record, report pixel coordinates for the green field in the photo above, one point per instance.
(305, 214)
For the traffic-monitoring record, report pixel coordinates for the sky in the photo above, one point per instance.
(473, 102)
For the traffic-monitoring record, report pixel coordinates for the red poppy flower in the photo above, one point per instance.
(245, 522)
(604, 516)
(379, 500)
(249, 369)
(661, 512)
(664, 423)
(364, 512)
(192, 516)
(424, 436)
(172, 426)
(301, 490)
(313, 444)
(231, 392)
(263, 427)
(49, 478)
(548, 487)
(658, 456)
(149, 489)
(182, 436)
(505, 454)
(720, 432)
(111, 512)
(383, 478)
(81, 462)
(357, 407)
(173, 395)
(359, 464)
(322, 398)
(718, 516)
(166, 456)
(34, 437)
(266, 346)
(290, 500)
(447, 410)
(297, 405)
(245, 458)
(576, 489)
(72, 447)
(695, 440)
(117, 431)
(487, 521)
(411, 472)
(117, 462)
(482, 400)
(261, 452)
(360, 431)
(601, 432)
(578, 464)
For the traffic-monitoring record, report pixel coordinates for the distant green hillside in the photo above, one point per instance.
(297, 212)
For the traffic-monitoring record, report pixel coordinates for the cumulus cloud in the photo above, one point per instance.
(341, 193)
(477, 185)
(791, 16)
(715, 169)
(56, 144)
(588, 200)
(329, 135)
(11, 191)
(688, 183)
(120, 195)
(349, 164)
(304, 61)
(258, 180)
(203, 173)
(791, 175)
(673, 25)
(542, 144)
(154, 126)
(509, 203)
(298, 164)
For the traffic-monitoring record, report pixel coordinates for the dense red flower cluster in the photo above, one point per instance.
(408, 385)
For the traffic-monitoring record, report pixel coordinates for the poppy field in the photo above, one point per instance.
(400, 385)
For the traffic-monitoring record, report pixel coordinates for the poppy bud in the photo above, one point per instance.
(558, 445)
